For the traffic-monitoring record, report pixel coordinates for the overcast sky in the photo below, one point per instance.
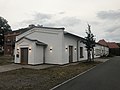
(102, 15)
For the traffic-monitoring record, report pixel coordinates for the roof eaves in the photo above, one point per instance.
(101, 44)
(65, 33)
(36, 41)
(50, 27)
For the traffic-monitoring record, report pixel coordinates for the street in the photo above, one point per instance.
(105, 76)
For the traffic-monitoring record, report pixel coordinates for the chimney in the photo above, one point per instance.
(31, 26)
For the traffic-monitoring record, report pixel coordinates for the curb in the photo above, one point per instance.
(71, 78)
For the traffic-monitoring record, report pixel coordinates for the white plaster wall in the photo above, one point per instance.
(51, 37)
(106, 51)
(98, 47)
(38, 54)
(31, 55)
(24, 44)
(103, 50)
(70, 41)
(16, 60)
(84, 51)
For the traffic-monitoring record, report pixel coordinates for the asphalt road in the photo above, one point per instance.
(105, 76)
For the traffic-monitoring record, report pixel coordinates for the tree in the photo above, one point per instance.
(4, 27)
(90, 43)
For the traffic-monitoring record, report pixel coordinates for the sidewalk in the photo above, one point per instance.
(101, 59)
(10, 67)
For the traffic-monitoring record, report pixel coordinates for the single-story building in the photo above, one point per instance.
(101, 50)
(41, 45)
(114, 49)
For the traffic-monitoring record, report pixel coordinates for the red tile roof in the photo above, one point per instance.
(112, 45)
(109, 44)
(102, 42)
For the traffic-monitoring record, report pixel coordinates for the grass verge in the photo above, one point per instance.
(4, 60)
(29, 79)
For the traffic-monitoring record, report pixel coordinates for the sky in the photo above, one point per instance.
(73, 15)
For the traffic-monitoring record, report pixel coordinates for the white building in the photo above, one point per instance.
(101, 50)
(49, 45)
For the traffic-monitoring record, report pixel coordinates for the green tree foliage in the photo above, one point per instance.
(90, 43)
(4, 27)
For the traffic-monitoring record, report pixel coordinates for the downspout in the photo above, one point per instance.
(77, 50)
(44, 47)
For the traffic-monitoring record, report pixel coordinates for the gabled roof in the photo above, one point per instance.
(102, 42)
(101, 45)
(109, 44)
(112, 45)
(33, 40)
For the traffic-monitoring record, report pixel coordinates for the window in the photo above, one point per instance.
(81, 52)
(8, 50)
(97, 52)
(8, 39)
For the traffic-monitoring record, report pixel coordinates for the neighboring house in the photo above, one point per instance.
(41, 45)
(102, 42)
(10, 39)
(118, 44)
(114, 49)
(9, 42)
(101, 50)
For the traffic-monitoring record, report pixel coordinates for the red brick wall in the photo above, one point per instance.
(9, 44)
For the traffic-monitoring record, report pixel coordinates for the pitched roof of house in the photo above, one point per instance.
(102, 42)
(109, 44)
(112, 45)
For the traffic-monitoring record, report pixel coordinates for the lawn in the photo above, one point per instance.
(29, 79)
(4, 60)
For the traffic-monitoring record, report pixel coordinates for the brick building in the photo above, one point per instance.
(10, 39)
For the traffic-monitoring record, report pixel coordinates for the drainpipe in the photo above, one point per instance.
(44, 54)
(77, 50)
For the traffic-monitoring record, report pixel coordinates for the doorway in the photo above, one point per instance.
(24, 55)
(70, 54)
